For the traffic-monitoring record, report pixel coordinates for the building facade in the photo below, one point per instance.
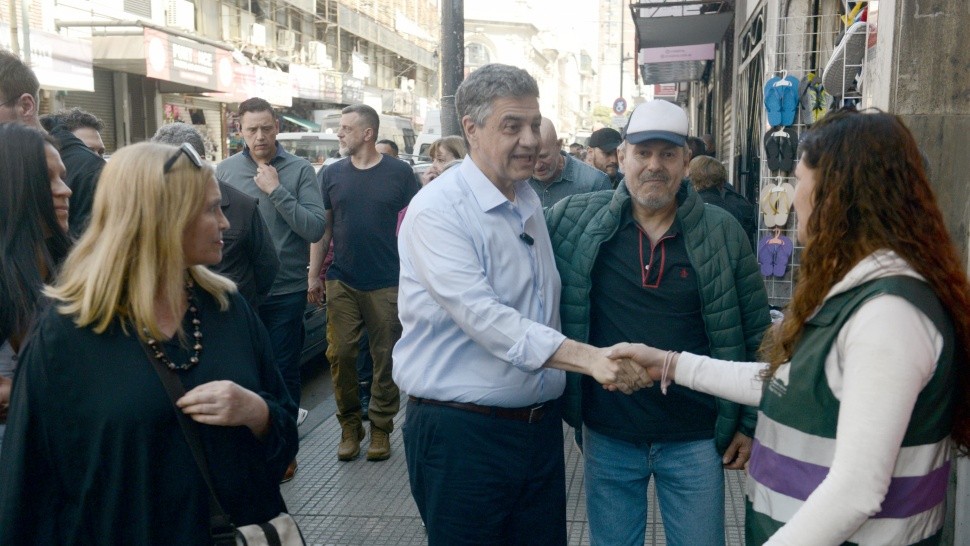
(157, 61)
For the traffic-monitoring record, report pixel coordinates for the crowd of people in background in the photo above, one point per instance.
(613, 286)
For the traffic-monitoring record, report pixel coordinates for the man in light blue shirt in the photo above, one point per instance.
(558, 175)
(481, 355)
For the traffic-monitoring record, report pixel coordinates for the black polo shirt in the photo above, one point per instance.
(647, 295)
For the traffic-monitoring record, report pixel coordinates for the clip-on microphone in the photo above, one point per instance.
(528, 240)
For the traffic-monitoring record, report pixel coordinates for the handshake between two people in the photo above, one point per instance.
(624, 367)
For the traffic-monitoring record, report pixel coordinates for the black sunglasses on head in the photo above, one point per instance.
(189, 151)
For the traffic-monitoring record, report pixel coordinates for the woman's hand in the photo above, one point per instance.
(648, 357)
(225, 403)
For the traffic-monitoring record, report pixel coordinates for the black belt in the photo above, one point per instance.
(530, 414)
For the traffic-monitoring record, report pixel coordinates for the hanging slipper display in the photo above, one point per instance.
(846, 62)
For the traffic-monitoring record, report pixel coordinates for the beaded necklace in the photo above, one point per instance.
(159, 353)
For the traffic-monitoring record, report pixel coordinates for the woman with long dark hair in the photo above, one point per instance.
(865, 388)
(33, 236)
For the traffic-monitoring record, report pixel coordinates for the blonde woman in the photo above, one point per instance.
(94, 453)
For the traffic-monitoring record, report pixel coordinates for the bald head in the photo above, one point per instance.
(550, 161)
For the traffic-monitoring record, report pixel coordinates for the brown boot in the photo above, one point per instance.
(350, 439)
(380, 445)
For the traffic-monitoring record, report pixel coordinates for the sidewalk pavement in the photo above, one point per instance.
(359, 502)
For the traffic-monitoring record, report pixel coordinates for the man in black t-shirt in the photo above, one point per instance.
(362, 195)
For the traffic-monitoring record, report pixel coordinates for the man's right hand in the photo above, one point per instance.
(651, 359)
(315, 292)
(619, 374)
(615, 374)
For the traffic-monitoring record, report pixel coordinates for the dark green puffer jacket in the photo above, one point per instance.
(732, 291)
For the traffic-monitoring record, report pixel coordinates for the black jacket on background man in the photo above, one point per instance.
(83, 169)
(735, 203)
(249, 256)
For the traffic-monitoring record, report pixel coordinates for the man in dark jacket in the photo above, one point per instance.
(651, 263)
(709, 178)
(83, 164)
(249, 256)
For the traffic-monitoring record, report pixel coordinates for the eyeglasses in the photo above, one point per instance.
(189, 151)
(9, 102)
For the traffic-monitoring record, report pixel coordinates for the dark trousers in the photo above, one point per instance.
(485, 480)
(283, 317)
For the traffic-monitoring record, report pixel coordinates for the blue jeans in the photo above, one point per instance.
(282, 315)
(689, 483)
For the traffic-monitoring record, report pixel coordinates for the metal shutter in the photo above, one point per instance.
(101, 103)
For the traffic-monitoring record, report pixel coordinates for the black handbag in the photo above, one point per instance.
(279, 531)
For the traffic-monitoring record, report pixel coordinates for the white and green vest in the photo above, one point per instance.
(795, 438)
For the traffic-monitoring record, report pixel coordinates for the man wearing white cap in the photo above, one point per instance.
(651, 263)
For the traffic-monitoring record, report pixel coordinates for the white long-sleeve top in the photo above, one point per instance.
(883, 357)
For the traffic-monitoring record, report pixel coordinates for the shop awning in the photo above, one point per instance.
(675, 38)
(305, 123)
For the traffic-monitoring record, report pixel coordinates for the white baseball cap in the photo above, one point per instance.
(657, 119)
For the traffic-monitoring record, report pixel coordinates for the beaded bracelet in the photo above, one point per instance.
(664, 381)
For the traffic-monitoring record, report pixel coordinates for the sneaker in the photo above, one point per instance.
(301, 415)
(380, 445)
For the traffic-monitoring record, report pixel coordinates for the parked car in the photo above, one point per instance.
(315, 327)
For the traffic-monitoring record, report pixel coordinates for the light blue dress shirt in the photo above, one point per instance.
(479, 306)
(576, 177)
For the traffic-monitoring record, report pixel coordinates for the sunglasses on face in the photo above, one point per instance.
(189, 152)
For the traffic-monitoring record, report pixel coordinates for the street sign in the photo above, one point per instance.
(619, 106)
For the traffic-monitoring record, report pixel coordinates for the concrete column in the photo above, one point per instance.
(930, 90)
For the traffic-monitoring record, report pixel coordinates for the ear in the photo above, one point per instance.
(28, 106)
(277, 125)
(468, 125)
(620, 153)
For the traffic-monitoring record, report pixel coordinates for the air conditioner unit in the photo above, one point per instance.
(285, 39)
(181, 14)
(318, 55)
(246, 21)
(257, 35)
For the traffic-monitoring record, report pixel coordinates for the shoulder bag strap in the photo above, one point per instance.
(220, 526)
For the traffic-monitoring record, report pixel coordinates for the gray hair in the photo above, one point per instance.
(492, 81)
(177, 134)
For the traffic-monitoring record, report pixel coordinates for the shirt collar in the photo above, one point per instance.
(626, 218)
(280, 152)
(489, 197)
(562, 173)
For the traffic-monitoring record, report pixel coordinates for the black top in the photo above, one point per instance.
(735, 203)
(83, 169)
(249, 257)
(93, 453)
(364, 205)
(659, 305)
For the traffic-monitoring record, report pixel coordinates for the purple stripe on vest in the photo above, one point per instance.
(907, 496)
